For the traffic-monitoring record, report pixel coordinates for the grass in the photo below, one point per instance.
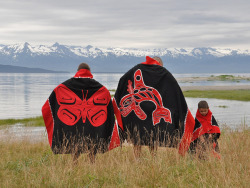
(226, 77)
(241, 95)
(30, 122)
(222, 106)
(25, 164)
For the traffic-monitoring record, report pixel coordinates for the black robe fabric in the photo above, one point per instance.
(150, 107)
(79, 116)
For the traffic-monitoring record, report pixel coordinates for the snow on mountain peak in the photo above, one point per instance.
(91, 51)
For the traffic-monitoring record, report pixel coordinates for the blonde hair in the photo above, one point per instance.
(158, 59)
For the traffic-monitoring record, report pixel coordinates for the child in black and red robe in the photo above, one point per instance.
(206, 132)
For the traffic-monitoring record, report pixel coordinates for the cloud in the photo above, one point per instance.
(141, 23)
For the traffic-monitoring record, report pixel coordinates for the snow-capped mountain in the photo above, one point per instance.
(66, 58)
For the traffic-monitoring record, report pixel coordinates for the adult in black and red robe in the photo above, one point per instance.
(151, 109)
(79, 116)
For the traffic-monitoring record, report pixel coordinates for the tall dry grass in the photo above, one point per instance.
(25, 164)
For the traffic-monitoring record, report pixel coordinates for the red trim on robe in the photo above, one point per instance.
(48, 120)
(206, 125)
(117, 114)
(187, 135)
(215, 154)
(115, 139)
(150, 61)
(83, 73)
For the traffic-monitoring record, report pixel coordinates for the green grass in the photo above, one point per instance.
(26, 164)
(227, 77)
(222, 106)
(36, 121)
(241, 95)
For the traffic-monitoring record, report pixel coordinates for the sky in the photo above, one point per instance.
(127, 23)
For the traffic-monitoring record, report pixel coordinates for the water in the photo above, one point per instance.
(22, 95)
(19, 132)
(226, 112)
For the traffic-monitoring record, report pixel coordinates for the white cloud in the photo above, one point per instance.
(141, 23)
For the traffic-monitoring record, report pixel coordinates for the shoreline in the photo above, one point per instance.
(226, 77)
(234, 87)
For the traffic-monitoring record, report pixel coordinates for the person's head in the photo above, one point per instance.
(158, 59)
(83, 66)
(203, 107)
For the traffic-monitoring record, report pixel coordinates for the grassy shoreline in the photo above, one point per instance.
(240, 95)
(25, 164)
(29, 122)
(224, 77)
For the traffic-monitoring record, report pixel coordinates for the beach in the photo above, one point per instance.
(233, 87)
(220, 78)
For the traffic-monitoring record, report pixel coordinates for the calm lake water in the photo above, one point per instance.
(22, 95)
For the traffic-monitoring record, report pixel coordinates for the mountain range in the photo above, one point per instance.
(58, 57)
(18, 69)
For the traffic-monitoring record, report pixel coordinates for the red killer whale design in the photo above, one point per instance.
(140, 93)
(72, 108)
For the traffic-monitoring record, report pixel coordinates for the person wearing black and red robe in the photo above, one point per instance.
(206, 132)
(150, 108)
(79, 116)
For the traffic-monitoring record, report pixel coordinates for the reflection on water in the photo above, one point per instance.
(19, 132)
(22, 95)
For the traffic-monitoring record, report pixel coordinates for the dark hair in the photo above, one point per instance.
(158, 59)
(83, 66)
(203, 104)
